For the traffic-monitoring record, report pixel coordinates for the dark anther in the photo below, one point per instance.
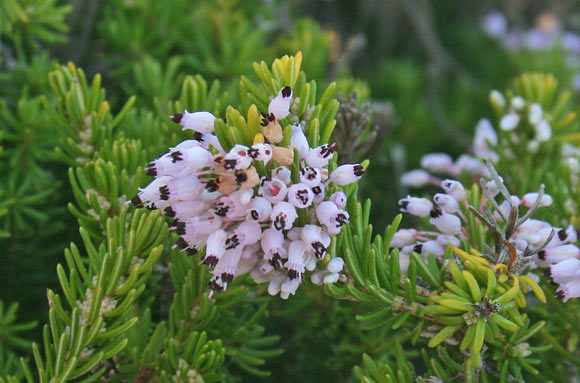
(317, 190)
(560, 294)
(267, 118)
(254, 214)
(293, 274)
(181, 244)
(180, 228)
(176, 156)
(230, 164)
(279, 222)
(191, 251)
(168, 211)
(241, 178)
(319, 249)
(136, 201)
(176, 118)
(418, 248)
(211, 185)
(198, 136)
(562, 234)
(404, 204)
(151, 170)
(436, 212)
(358, 170)
(210, 260)
(542, 255)
(227, 277)
(253, 152)
(286, 91)
(164, 192)
(276, 261)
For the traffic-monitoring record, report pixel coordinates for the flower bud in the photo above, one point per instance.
(455, 189)
(529, 200)
(509, 121)
(272, 129)
(339, 199)
(535, 113)
(446, 202)
(335, 265)
(318, 157)
(403, 237)
(299, 141)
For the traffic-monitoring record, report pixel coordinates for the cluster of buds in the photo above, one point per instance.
(521, 243)
(255, 209)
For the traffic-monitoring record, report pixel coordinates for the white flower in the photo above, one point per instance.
(331, 216)
(566, 270)
(484, 139)
(471, 165)
(177, 161)
(416, 206)
(339, 199)
(274, 190)
(202, 122)
(346, 174)
(448, 203)
(543, 131)
(299, 141)
(518, 103)
(295, 263)
(416, 178)
(273, 247)
(280, 105)
(283, 174)
(180, 189)
(455, 189)
(289, 287)
(237, 158)
(310, 176)
(509, 121)
(261, 152)
(227, 265)
(431, 248)
(437, 162)
(318, 157)
(569, 290)
(445, 223)
(260, 209)
(529, 200)
(283, 216)
(403, 237)
(300, 195)
(446, 239)
(335, 265)
(215, 248)
(559, 253)
(535, 113)
(316, 239)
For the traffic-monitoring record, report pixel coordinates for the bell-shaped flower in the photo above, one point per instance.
(416, 206)
(485, 138)
(289, 287)
(261, 152)
(272, 129)
(319, 193)
(310, 176)
(346, 174)
(437, 162)
(416, 178)
(331, 216)
(283, 174)
(185, 209)
(295, 263)
(273, 246)
(282, 156)
(280, 105)
(300, 195)
(180, 189)
(178, 161)
(259, 210)
(447, 239)
(318, 157)
(247, 233)
(569, 290)
(565, 271)
(446, 202)
(529, 200)
(215, 248)
(274, 190)
(403, 237)
(455, 189)
(339, 199)
(471, 165)
(445, 223)
(237, 158)
(558, 254)
(283, 216)
(202, 122)
(151, 193)
(227, 265)
(317, 240)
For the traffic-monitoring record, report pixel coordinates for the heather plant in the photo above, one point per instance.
(193, 212)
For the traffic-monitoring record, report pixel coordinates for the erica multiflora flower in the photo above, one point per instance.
(250, 207)
(520, 244)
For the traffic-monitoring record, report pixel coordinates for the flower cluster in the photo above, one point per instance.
(255, 209)
(544, 36)
(522, 243)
